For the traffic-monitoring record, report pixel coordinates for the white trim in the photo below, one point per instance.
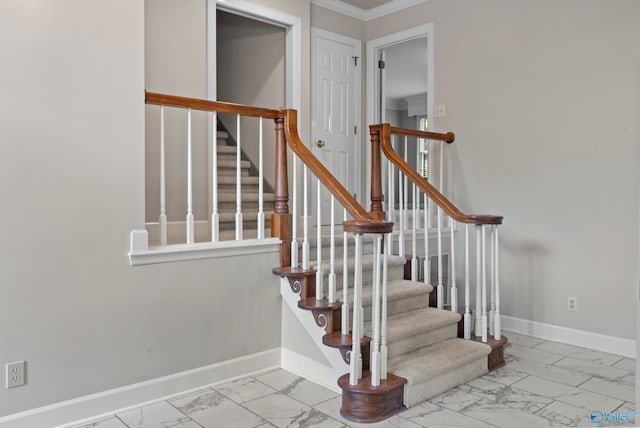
(142, 254)
(366, 14)
(310, 369)
(358, 138)
(582, 338)
(107, 403)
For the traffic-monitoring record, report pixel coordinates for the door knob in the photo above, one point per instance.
(320, 143)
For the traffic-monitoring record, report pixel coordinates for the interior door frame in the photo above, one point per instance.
(373, 49)
(358, 138)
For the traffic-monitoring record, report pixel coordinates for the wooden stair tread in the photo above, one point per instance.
(312, 304)
(342, 341)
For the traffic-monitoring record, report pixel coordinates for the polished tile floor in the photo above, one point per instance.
(544, 384)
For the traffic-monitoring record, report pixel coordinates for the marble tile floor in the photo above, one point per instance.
(544, 384)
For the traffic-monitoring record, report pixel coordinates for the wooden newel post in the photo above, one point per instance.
(281, 219)
(376, 174)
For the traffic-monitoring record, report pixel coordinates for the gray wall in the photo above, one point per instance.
(544, 100)
(72, 184)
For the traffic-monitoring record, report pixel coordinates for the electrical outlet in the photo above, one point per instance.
(572, 304)
(439, 110)
(15, 374)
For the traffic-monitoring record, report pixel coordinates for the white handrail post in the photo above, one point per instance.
(238, 181)
(478, 316)
(375, 315)
(497, 321)
(215, 216)
(162, 220)
(332, 255)
(190, 219)
(319, 271)
(345, 280)
(355, 362)
(260, 185)
(484, 285)
(305, 220)
(454, 287)
(294, 221)
(467, 312)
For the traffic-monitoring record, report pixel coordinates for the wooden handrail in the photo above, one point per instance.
(449, 137)
(384, 131)
(204, 105)
(362, 222)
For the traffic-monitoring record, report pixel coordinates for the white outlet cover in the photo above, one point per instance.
(15, 374)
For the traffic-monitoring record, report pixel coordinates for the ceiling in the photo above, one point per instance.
(366, 10)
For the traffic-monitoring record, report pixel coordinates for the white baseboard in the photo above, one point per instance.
(121, 399)
(311, 370)
(585, 339)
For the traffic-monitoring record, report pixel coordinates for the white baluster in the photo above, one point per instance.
(355, 366)
(294, 226)
(441, 181)
(454, 287)
(429, 170)
(467, 312)
(484, 285)
(345, 280)
(215, 216)
(238, 182)
(190, 220)
(375, 314)
(260, 186)
(414, 237)
(496, 319)
(383, 328)
(319, 271)
(400, 215)
(492, 280)
(427, 265)
(405, 190)
(440, 289)
(305, 219)
(162, 220)
(478, 315)
(332, 255)
(390, 202)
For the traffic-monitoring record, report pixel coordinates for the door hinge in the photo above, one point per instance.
(355, 60)
(381, 64)
(355, 130)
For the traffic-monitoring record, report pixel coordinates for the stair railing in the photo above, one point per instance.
(355, 220)
(487, 321)
(231, 177)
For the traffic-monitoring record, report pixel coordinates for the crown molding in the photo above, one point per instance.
(369, 14)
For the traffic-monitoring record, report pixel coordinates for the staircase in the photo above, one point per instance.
(426, 358)
(227, 196)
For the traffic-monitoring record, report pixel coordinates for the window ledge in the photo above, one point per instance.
(141, 254)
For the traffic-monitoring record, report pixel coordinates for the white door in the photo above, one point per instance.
(335, 116)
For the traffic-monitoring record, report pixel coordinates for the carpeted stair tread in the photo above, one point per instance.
(407, 324)
(434, 360)
(397, 289)
(367, 263)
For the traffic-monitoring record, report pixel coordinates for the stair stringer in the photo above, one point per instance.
(322, 374)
